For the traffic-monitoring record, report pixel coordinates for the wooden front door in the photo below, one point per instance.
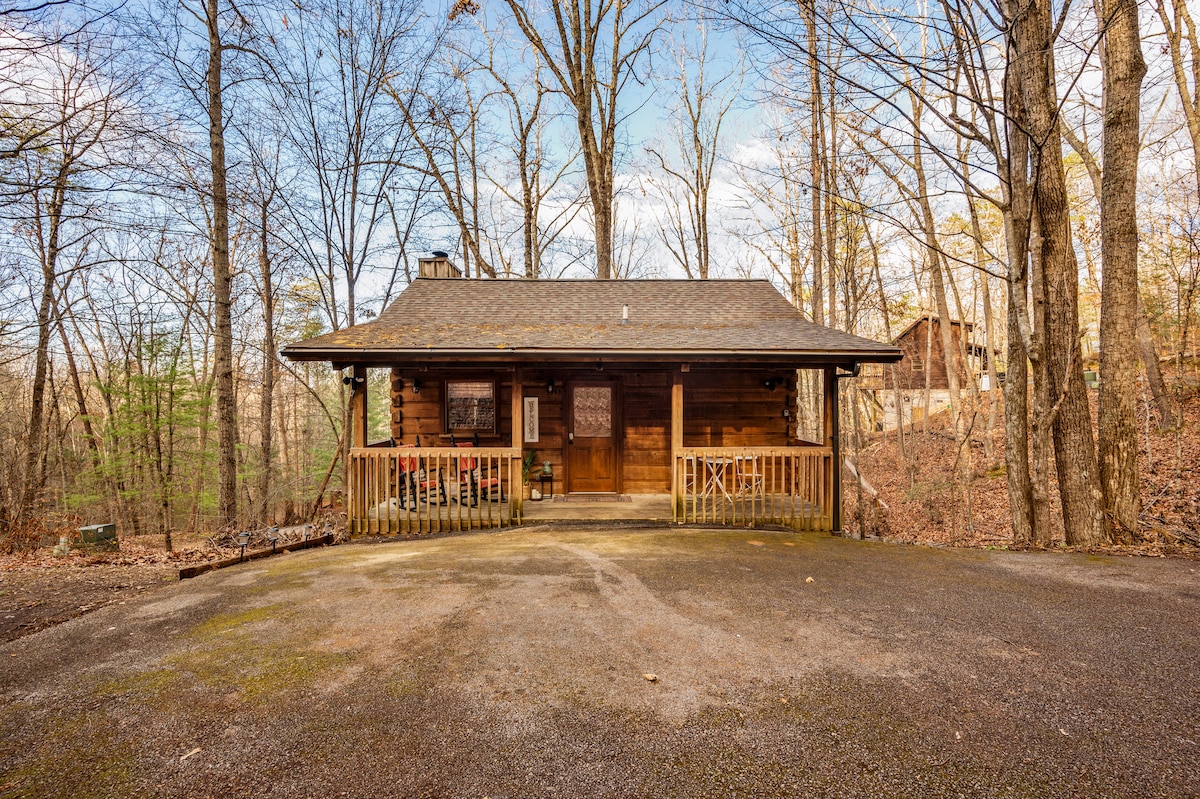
(593, 440)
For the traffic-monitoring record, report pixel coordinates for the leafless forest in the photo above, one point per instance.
(186, 186)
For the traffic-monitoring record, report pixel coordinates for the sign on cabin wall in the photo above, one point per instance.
(532, 430)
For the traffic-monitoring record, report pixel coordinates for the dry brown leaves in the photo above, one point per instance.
(927, 504)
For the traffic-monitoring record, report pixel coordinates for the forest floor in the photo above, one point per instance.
(39, 589)
(918, 503)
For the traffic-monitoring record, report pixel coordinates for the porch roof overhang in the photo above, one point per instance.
(516, 322)
(511, 358)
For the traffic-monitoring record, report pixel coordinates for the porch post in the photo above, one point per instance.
(676, 443)
(833, 482)
(518, 429)
(358, 408)
(355, 474)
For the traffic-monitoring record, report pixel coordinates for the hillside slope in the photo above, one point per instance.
(919, 502)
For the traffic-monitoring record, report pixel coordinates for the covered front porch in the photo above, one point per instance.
(684, 443)
(724, 486)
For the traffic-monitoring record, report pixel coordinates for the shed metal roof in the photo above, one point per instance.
(496, 320)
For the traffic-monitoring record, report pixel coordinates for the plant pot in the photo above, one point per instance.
(526, 492)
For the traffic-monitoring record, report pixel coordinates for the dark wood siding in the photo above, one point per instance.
(736, 409)
(647, 448)
(721, 408)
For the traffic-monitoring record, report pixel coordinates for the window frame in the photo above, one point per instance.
(490, 430)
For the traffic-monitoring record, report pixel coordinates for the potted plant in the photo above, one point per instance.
(527, 463)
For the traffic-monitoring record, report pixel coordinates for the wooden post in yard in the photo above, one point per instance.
(833, 483)
(676, 445)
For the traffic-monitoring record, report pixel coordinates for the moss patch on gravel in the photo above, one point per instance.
(72, 755)
(143, 684)
(258, 672)
(244, 652)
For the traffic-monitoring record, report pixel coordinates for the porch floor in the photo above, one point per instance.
(630, 507)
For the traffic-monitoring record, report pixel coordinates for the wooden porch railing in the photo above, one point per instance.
(432, 489)
(745, 486)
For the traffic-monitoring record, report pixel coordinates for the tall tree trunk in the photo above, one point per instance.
(1124, 69)
(267, 397)
(222, 282)
(33, 482)
(989, 333)
(1052, 249)
(827, 161)
(937, 287)
(816, 169)
(1016, 427)
(31, 486)
(1020, 335)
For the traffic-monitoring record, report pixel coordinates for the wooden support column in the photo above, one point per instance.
(518, 430)
(833, 477)
(676, 444)
(358, 407)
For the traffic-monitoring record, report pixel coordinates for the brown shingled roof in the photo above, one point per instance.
(529, 319)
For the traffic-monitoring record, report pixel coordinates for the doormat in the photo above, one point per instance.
(594, 498)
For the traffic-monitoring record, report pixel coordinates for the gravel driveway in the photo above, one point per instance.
(628, 662)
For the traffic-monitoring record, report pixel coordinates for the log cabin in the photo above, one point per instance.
(921, 345)
(598, 390)
(918, 384)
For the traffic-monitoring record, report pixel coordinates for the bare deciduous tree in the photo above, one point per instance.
(701, 104)
(592, 50)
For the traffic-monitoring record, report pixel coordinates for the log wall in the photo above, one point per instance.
(721, 408)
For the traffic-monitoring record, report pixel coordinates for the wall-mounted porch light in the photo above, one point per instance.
(416, 386)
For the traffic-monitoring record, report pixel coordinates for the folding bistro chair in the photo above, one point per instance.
(747, 477)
